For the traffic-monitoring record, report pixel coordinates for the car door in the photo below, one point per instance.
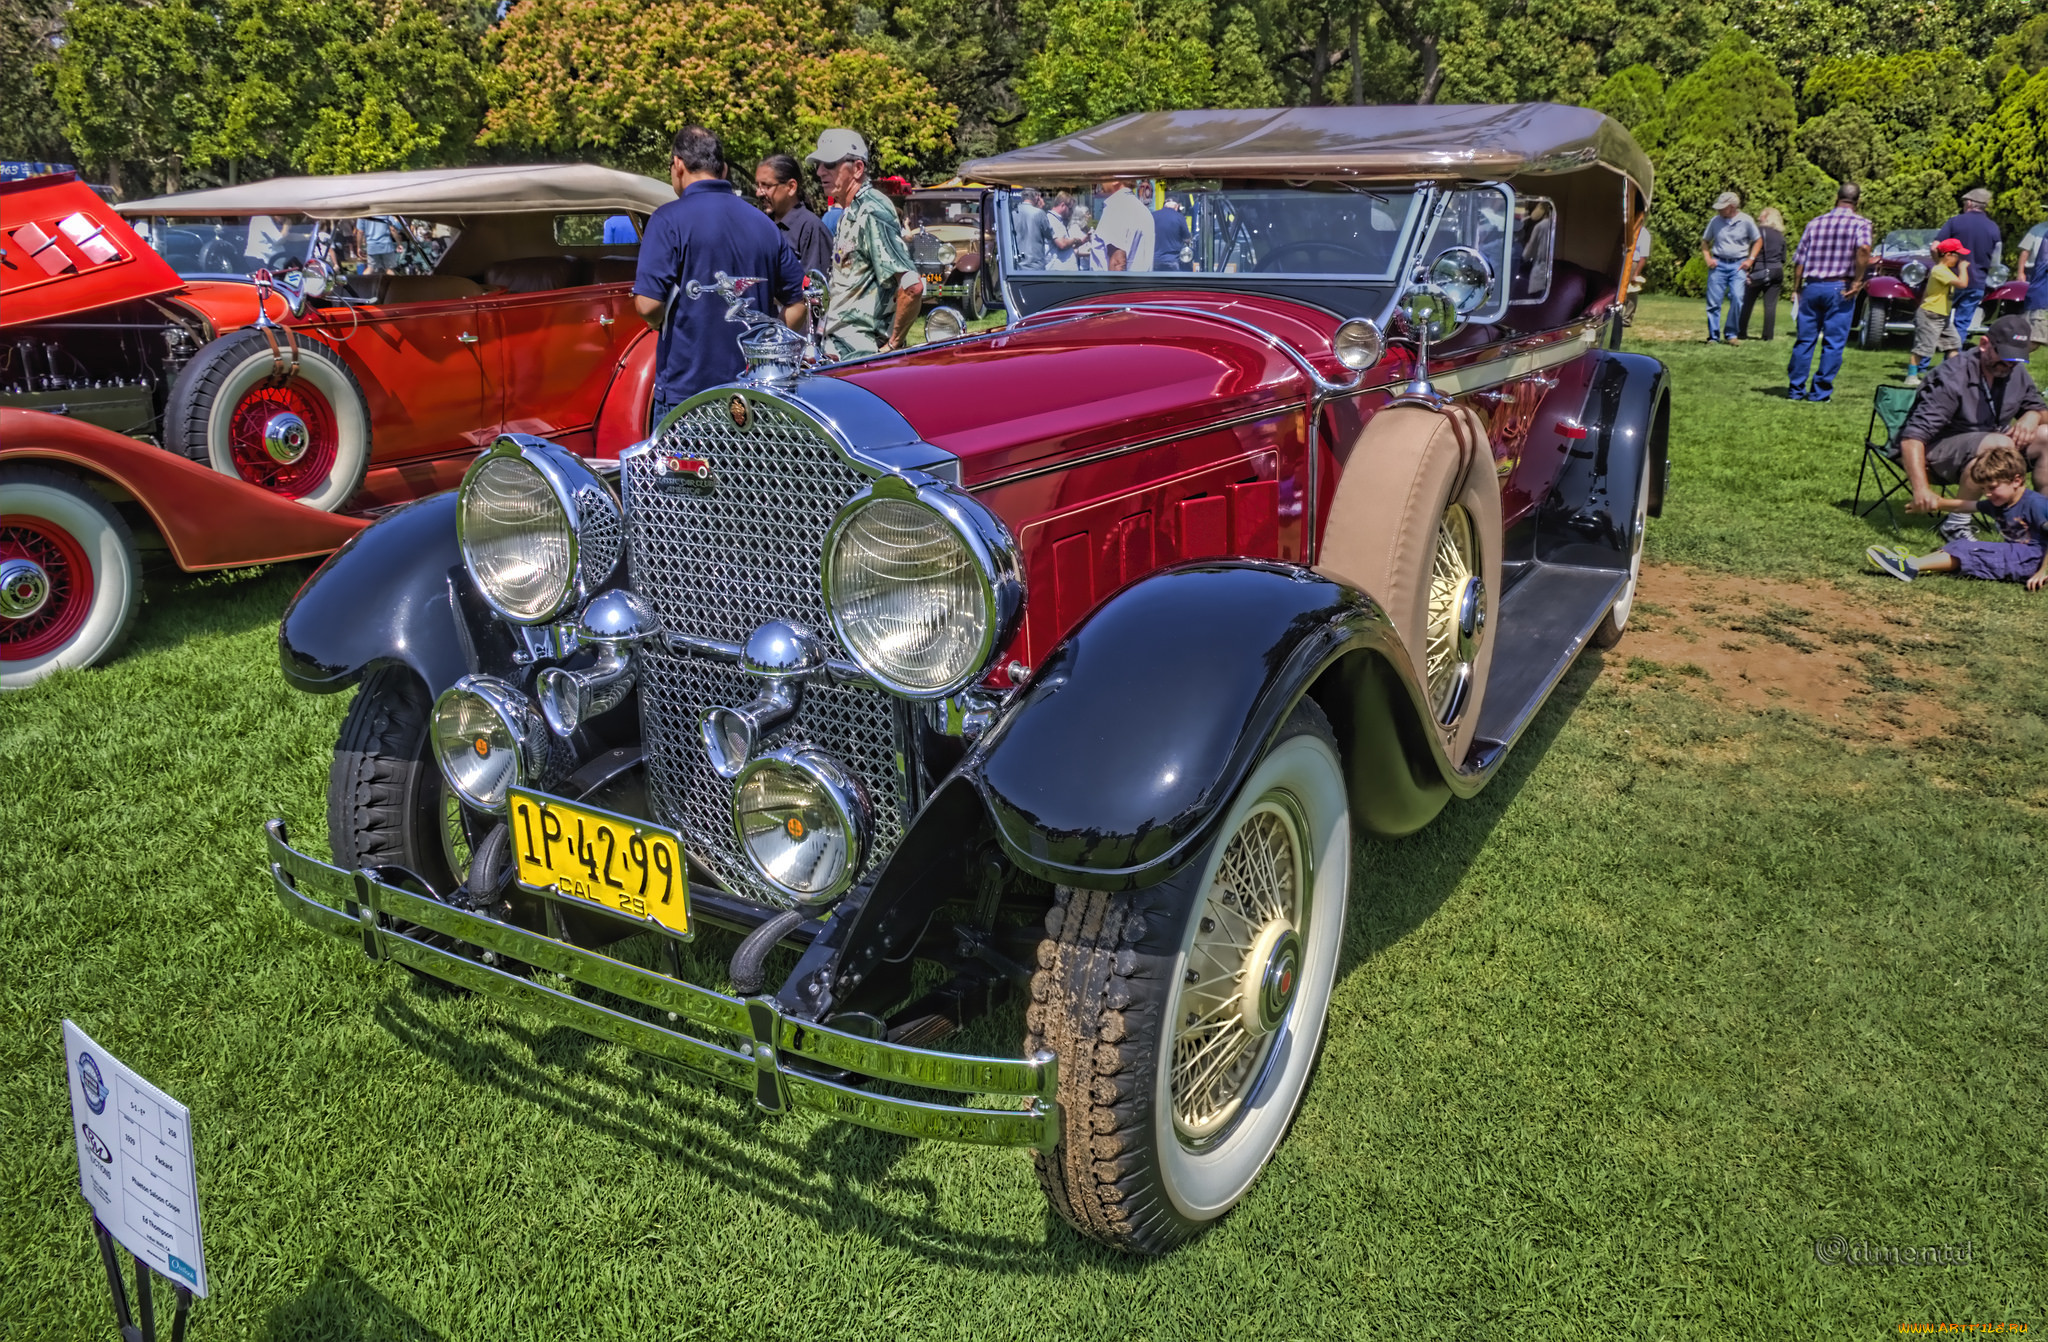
(557, 350)
(428, 369)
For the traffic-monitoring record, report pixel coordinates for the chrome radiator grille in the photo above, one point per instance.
(718, 561)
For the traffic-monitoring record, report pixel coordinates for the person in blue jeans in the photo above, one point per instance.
(1978, 231)
(1828, 270)
(1729, 245)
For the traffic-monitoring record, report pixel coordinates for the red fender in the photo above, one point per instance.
(208, 520)
(1891, 290)
(2012, 291)
(623, 420)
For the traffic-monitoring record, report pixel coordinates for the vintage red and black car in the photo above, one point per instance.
(1899, 267)
(1064, 660)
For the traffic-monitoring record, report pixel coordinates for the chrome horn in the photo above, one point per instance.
(614, 623)
(784, 656)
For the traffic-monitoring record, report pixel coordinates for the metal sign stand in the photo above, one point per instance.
(130, 1332)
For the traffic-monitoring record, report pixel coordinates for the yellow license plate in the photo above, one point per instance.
(584, 853)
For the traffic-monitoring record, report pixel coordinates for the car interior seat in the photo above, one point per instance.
(614, 269)
(535, 274)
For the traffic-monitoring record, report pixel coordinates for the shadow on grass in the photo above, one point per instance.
(181, 606)
(682, 1119)
(1397, 884)
(339, 1306)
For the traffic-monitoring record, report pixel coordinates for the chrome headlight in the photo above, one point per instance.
(487, 738)
(1358, 344)
(1913, 274)
(923, 586)
(804, 823)
(537, 527)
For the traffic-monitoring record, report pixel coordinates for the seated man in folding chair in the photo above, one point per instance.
(1977, 399)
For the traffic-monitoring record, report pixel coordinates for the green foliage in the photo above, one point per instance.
(29, 125)
(1912, 100)
(1737, 99)
(2021, 52)
(1635, 98)
(1803, 34)
(1104, 58)
(322, 86)
(1846, 144)
(616, 78)
(2007, 152)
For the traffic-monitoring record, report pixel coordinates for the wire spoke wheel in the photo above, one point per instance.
(284, 438)
(56, 595)
(1452, 568)
(1246, 952)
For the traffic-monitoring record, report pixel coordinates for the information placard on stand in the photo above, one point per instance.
(135, 1170)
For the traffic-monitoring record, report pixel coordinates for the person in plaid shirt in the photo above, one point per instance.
(1834, 252)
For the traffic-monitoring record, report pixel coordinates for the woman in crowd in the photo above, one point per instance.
(1094, 253)
(1767, 276)
(779, 185)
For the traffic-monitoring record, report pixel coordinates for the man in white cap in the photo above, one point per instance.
(875, 290)
(1978, 231)
(1729, 245)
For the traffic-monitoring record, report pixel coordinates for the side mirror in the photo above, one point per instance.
(1465, 277)
(1431, 313)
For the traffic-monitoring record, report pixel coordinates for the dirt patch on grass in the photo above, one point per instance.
(1863, 670)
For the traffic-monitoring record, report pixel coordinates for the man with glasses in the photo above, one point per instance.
(875, 291)
(1979, 399)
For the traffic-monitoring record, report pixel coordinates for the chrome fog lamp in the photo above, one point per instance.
(804, 823)
(923, 585)
(537, 527)
(943, 323)
(487, 737)
(1358, 344)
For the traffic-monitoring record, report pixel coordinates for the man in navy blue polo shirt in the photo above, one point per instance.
(707, 228)
(1978, 231)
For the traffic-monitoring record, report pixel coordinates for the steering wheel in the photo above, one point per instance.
(220, 257)
(1363, 264)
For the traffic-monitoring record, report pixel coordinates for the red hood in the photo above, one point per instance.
(1065, 385)
(64, 250)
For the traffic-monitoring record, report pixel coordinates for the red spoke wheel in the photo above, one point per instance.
(69, 575)
(283, 438)
(303, 432)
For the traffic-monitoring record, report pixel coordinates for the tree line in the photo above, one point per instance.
(1920, 99)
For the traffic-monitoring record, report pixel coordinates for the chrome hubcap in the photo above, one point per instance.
(286, 437)
(1457, 615)
(1243, 971)
(24, 588)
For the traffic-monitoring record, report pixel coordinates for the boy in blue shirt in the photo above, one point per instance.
(2021, 516)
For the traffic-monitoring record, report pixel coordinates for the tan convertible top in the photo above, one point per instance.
(506, 189)
(1472, 141)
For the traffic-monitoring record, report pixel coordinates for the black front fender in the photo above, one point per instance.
(397, 593)
(1120, 755)
(1589, 517)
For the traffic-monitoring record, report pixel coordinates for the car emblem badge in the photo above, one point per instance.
(677, 469)
(737, 408)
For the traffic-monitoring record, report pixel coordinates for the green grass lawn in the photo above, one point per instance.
(1690, 987)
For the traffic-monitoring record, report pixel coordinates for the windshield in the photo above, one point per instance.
(1906, 241)
(926, 213)
(1195, 228)
(243, 245)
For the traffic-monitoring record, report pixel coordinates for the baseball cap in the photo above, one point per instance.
(2011, 338)
(1725, 199)
(1952, 245)
(836, 145)
(1977, 195)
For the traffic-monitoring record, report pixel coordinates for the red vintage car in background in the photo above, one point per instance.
(1898, 277)
(1064, 659)
(327, 344)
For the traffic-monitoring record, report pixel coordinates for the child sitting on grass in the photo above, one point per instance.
(2021, 515)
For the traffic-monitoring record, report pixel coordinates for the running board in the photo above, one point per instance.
(1545, 621)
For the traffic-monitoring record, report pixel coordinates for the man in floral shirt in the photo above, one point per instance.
(875, 290)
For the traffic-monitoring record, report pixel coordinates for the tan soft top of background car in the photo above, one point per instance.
(505, 189)
(1473, 142)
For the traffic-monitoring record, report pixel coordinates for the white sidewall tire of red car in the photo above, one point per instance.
(66, 506)
(200, 416)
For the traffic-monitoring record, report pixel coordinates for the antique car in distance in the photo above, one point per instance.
(944, 228)
(345, 342)
(1063, 659)
(1898, 279)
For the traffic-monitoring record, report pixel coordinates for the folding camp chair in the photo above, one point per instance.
(1889, 408)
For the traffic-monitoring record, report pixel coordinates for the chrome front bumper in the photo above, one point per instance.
(770, 1047)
